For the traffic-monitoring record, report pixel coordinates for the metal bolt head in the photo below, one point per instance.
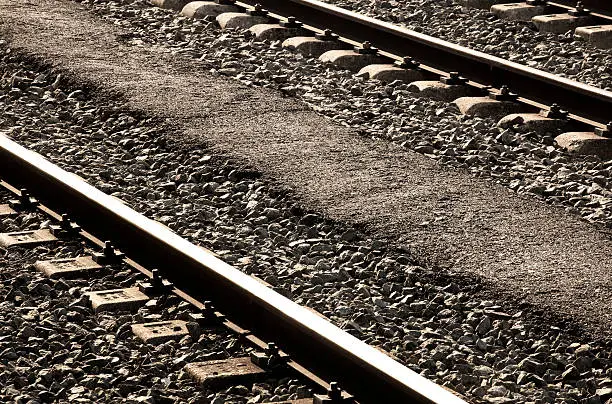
(605, 132)
(109, 249)
(579, 10)
(326, 35)
(334, 392)
(271, 349)
(207, 307)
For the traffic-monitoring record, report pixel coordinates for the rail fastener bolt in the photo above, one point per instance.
(206, 316)
(334, 395)
(108, 256)
(605, 132)
(407, 62)
(291, 22)
(326, 35)
(366, 48)
(24, 201)
(579, 11)
(257, 11)
(65, 227)
(504, 94)
(271, 358)
(156, 286)
(555, 112)
(454, 79)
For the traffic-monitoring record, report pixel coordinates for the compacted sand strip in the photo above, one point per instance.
(457, 222)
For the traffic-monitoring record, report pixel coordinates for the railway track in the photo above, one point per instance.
(600, 10)
(589, 20)
(256, 338)
(478, 83)
(309, 344)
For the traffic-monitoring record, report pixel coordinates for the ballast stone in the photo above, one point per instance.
(517, 11)
(559, 23)
(311, 46)
(239, 20)
(389, 73)
(349, 59)
(527, 122)
(274, 32)
(201, 9)
(484, 4)
(171, 4)
(439, 91)
(596, 35)
(486, 107)
(586, 143)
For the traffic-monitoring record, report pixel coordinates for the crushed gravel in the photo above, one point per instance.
(520, 42)
(437, 325)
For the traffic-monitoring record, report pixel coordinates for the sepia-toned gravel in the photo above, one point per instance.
(438, 325)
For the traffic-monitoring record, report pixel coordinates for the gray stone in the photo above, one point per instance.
(171, 4)
(239, 20)
(483, 4)
(274, 32)
(439, 91)
(389, 73)
(311, 46)
(559, 23)
(486, 107)
(586, 143)
(517, 11)
(350, 59)
(201, 9)
(596, 35)
(536, 122)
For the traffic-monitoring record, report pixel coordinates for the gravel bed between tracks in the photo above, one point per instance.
(480, 30)
(527, 163)
(55, 349)
(439, 326)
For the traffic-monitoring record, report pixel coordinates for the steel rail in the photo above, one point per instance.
(311, 341)
(595, 5)
(536, 86)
